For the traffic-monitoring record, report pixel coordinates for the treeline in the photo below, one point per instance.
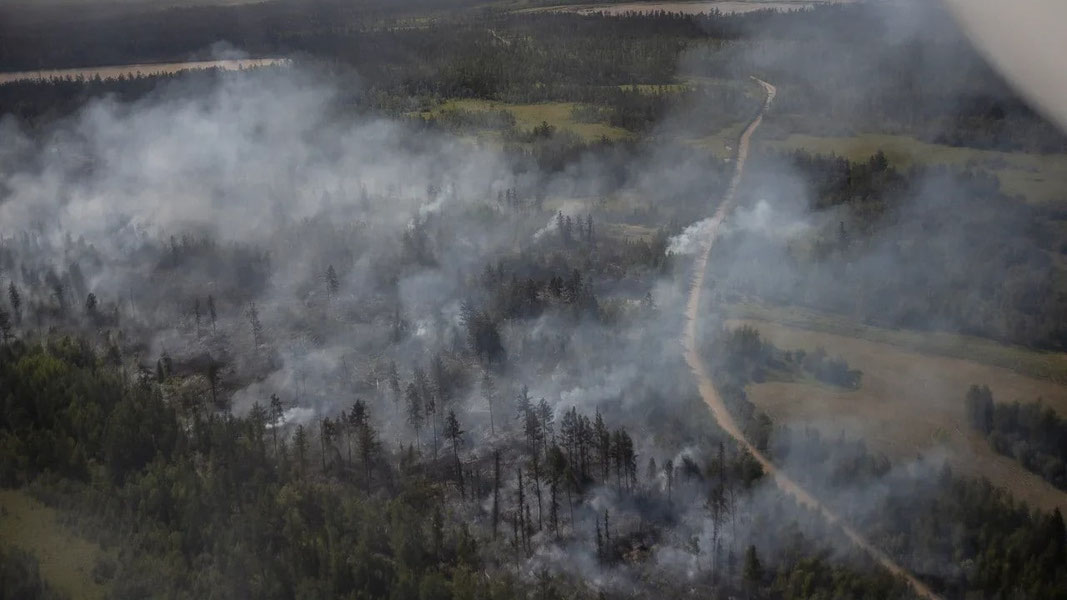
(256, 507)
(1031, 433)
(937, 89)
(743, 356)
(259, 506)
(927, 248)
(20, 577)
(1001, 548)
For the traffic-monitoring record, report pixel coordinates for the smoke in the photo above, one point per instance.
(247, 187)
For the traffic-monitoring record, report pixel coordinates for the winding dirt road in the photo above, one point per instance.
(711, 396)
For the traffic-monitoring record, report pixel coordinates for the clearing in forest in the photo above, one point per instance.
(1039, 178)
(528, 116)
(66, 561)
(910, 403)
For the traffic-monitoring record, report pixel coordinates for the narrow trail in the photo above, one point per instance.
(718, 408)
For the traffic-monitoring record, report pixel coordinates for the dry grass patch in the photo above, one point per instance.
(1034, 363)
(1040, 178)
(66, 561)
(528, 116)
(909, 404)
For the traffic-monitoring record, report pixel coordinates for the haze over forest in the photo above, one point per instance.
(447, 299)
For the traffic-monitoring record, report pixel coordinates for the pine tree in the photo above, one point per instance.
(553, 505)
(16, 301)
(393, 376)
(369, 448)
(257, 326)
(211, 312)
(668, 472)
(213, 369)
(454, 433)
(752, 570)
(496, 490)
(489, 392)
(300, 445)
(333, 284)
(429, 403)
(5, 325)
(90, 306)
(276, 413)
(548, 419)
(415, 417)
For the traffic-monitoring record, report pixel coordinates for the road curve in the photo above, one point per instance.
(714, 401)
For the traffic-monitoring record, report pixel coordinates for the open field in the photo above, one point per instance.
(1040, 178)
(66, 561)
(528, 116)
(1040, 365)
(909, 404)
(690, 8)
(115, 72)
(721, 144)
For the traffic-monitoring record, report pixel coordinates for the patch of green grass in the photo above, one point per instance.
(1039, 178)
(66, 561)
(721, 143)
(528, 116)
(1051, 366)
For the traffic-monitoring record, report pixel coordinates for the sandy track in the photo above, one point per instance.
(714, 401)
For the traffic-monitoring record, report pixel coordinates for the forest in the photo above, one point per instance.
(1031, 433)
(400, 318)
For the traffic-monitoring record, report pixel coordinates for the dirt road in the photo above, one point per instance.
(711, 396)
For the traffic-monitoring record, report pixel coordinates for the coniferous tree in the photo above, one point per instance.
(547, 419)
(496, 490)
(256, 325)
(90, 306)
(369, 448)
(668, 472)
(5, 325)
(333, 284)
(752, 570)
(16, 301)
(211, 312)
(213, 369)
(300, 446)
(276, 413)
(455, 433)
(415, 416)
(393, 377)
(429, 402)
(489, 393)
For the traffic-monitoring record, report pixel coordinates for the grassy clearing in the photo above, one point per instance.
(721, 144)
(1051, 366)
(909, 404)
(528, 116)
(1040, 178)
(66, 561)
